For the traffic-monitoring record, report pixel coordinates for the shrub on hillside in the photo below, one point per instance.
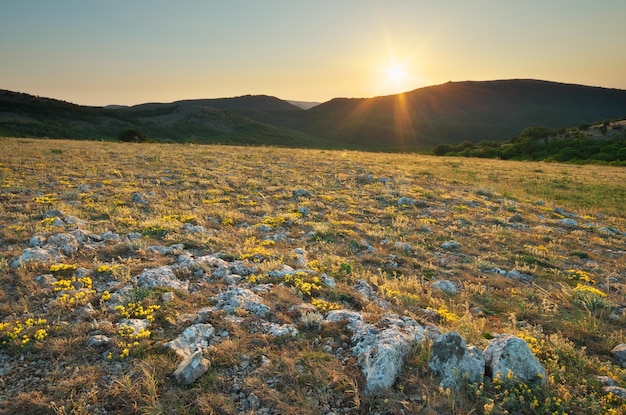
(132, 136)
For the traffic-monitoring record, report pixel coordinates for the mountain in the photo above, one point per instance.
(449, 113)
(457, 111)
(204, 121)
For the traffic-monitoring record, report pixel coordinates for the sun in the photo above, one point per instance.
(396, 77)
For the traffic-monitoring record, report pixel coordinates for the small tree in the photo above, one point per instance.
(132, 136)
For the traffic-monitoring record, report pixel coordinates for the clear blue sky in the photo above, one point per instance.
(134, 51)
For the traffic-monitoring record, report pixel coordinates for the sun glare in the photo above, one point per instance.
(397, 78)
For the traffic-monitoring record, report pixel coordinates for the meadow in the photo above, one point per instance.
(538, 251)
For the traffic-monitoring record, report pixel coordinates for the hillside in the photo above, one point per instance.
(201, 121)
(458, 111)
(441, 114)
(189, 279)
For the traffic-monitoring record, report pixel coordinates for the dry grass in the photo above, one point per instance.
(351, 227)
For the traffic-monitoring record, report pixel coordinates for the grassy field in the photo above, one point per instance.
(376, 217)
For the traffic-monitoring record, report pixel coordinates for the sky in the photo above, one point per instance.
(135, 51)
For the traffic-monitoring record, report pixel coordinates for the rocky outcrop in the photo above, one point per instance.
(507, 353)
(193, 338)
(191, 368)
(619, 353)
(455, 362)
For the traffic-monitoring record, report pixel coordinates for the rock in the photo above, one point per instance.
(284, 330)
(99, 340)
(606, 381)
(301, 259)
(161, 277)
(188, 227)
(381, 350)
(304, 211)
(328, 281)
(190, 369)
(136, 323)
(616, 391)
(253, 401)
(515, 218)
(231, 300)
(139, 198)
(45, 280)
(507, 353)
(241, 268)
(455, 362)
(619, 354)
(64, 243)
(569, 223)
(165, 250)
(39, 255)
(167, 297)
(301, 193)
(109, 236)
(364, 288)
(54, 213)
(450, 245)
(445, 286)
(193, 338)
(405, 201)
(72, 220)
(520, 276)
(36, 241)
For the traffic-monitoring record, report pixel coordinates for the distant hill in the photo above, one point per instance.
(457, 111)
(305, 105)
(204, 121)
(442, 114)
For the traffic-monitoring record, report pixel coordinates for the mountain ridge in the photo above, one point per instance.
(424, 117)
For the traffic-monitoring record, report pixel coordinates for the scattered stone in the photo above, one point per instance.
(193, 338)
(99, 340)
(253, 401)
(606, 381)
(72, 220)
(519, 276)
(568, 222)
(450, 245)
(54, 213)
(36, 241)
(39, 255)
(616, 391)
(165, 250)
(507, 353)
(301, 193)
(231, 300)
(364, 288)
(167, 297)
(455, 362)
(161, 277)
(305, 211)
(515, 218)
(284, 330)
(328, 281)
(445, 286)
(619, 354)
(109, 236)
(405, 201)
(45, 280)
(64, 243)
(188, 227)
(139, 198)
(136, 323)
(191, 368)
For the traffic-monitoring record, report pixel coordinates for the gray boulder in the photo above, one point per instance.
(64, 243)
(381, 349)
(507, 353)
(619, 353)
(139, 198)
(190, 369)
(455, 362)
(243, 298)
(193, 338)
(39, 255)
(161, 277)
(450, 245)
(568, 223)
(445, 286)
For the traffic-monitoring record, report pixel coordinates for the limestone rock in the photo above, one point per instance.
(450, 245)
(161, 277)
(445, 286)
(382, 349)
(619, 353)
(190, 369)
(139, 198)
(39, 255)
(231, 300)
(455, 362)
(193, 338)
(507, 353)
(99, 340)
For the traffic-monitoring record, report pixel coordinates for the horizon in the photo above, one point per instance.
(120, 53)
